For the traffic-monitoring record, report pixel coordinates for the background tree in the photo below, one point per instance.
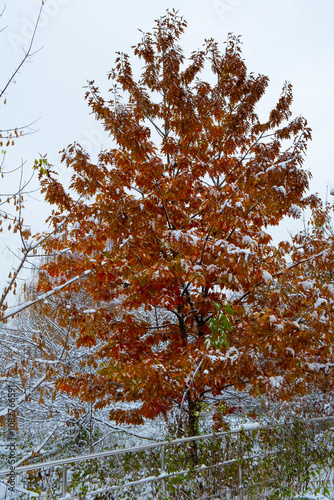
(11, 203)
(176, 217)
(30, 377)
(37, 352)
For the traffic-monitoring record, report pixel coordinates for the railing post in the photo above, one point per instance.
(64, 481)
(163, 468)
(240, 495)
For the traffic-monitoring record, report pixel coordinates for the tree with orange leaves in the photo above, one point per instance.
(171, 236)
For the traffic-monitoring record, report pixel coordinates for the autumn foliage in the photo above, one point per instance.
(170, 230)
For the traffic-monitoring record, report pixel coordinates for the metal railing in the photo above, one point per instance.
(163, 476)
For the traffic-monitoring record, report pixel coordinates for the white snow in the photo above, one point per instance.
(247, 240)
(212, 267)
(280, 189)
(330, 288)
(319, 366)
(295, 211)
(177, 235)
(276, 382)
(319, 302)
(267, 277)
(307, 285)
(231, 355)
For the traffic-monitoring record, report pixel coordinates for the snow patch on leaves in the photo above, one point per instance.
(276, 382)
(267, 277)
(295, 212)
(319, 366)
(307, 284)
(319, 302)
(232, 354)
(280, 189)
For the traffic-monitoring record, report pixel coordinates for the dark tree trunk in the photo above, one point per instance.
(193, 417)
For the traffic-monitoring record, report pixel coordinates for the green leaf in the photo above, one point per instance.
(219, 326)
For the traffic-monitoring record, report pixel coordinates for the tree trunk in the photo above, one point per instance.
(193, 418)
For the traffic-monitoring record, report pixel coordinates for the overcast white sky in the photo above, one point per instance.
(284, 39)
